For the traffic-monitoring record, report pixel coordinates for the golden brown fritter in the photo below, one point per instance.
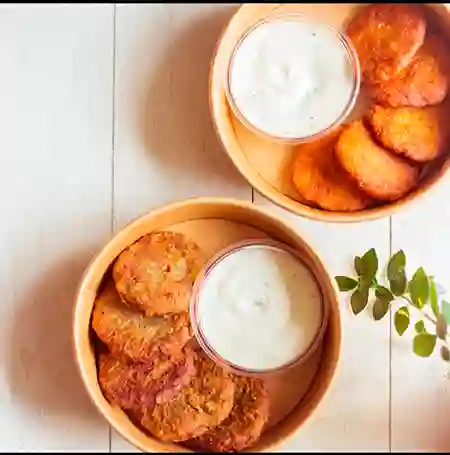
(386, 37)
(244, 425)
(422, 83)
(156, 273)
(138, 337)
(320, 179)
(419, 134)
(132, 385)
(380, 173)
(203, 404)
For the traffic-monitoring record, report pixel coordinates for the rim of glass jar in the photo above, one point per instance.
(356, 72)
(201, 337)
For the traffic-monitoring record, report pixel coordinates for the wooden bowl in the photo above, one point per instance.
(266, 164)
(215, 223)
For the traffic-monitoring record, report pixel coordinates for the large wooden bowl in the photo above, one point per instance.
(265, 164)
(215, 223)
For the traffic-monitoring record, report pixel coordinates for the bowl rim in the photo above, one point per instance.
(83, 290)
(258, 183)
(353, 62)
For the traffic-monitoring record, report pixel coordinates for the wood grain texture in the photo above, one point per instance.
(72, 168)
(165, 145)
(55, 161)
(421, 387)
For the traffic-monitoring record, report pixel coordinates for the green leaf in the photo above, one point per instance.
(420, 327)
(396, 265)
(383, 293)
(358, 265)
(445, 353)
(424, 344)
(398, 284)
(396, 273)
(441, 327)
(433, 296)
(358, 300)
(419, 288)
(346, 283)
(445, 310)
(369, 264)
(365, 282)
(380, 308)
(381, 305)
(401, 320)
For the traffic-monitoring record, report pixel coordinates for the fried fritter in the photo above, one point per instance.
(319, 178)
(419, 134)
(246, 421)
(422, 83)
(138, 337)
(203, 404)
(156, 273)
(130, 385)
(378, 172)
(386, 37)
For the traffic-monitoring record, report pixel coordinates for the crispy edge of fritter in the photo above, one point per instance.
(246, 421)
(130, 385)
(318, 177)
(432, 141)
(120, 329)
(364, 31)
(168, 294)
(423, 82)
(382, 174)
(203, 404)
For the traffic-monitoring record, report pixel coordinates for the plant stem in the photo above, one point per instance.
(425, 315)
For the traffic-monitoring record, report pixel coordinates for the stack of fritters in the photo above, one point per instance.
(244, 424)
(405, 69)
(148, 363)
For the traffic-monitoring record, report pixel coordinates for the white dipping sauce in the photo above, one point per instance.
(291, 79)
(259, 308)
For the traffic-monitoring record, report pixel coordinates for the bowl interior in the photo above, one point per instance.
(267, 164)
(294, 393)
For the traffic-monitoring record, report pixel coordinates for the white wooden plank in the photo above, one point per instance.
(55, 197)
(420, 388)
(354, 415)
(165, 146)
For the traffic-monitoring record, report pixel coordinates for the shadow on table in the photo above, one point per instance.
(42, 374)
(176, 123)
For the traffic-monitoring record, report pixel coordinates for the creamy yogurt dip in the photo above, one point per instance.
(259, 308)
(291, 78)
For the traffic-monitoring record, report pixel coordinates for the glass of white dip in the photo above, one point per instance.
(292, 79)
(257, 308)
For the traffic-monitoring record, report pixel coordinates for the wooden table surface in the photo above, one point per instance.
(104, 116)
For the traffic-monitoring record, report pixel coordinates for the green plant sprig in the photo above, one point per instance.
(418, 294)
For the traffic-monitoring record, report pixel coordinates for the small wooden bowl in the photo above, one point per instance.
(296, 393)
(266, 165)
